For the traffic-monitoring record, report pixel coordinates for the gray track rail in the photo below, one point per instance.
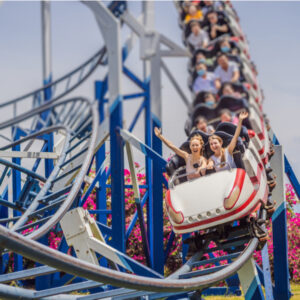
(59, 88)
(86, 116)
(45, 255)
(77, 120)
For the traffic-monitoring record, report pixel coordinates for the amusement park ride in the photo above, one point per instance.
(47, 194)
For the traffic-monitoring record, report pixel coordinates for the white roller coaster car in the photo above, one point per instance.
(217, 198)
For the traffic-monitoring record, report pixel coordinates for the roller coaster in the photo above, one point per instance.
(50, 143)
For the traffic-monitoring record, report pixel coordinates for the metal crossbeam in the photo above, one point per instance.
(35, 155)
(87, 240)
(129, 137)
(37, 271)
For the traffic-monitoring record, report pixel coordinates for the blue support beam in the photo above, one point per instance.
(127, 136)
(49, 162)
(289, 171)
(117, 176)
(148, 168)
(134, 78)
(135, 216)
(280, 242)
(136, 117)
(292, 177)
(279, 226)
(158, 219)
(4, 196)
(100, 91)
(169, 245)
(16, 184)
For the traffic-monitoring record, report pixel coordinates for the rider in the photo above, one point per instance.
(222, 159)
(195, 162)
(201, 124)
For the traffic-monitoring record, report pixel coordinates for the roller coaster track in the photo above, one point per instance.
(71, 119)
(58, 88)
(42, 201)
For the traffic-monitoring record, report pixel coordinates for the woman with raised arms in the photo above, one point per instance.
(195, 162)
(222, 159)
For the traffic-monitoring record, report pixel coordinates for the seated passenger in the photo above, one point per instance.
(195, 162)
(205, 81)
(228, 90)
(198, 37)
(222, 159)
(201, 58)
(210, 100)
(225, 47)
(226, 116)
(201, 124)
(194, 13)
(211, 5)
(217, 26)
(185, 6)
(226, 71)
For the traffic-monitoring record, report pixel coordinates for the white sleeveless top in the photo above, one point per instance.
(228, 159)
(190, 168)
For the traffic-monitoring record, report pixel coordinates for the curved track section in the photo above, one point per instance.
(60, 261)
(43, 201)
(57, 89)
(36, 206)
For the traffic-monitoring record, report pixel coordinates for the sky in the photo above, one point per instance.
(272, 28)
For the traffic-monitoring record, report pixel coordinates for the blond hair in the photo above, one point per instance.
(216, 137)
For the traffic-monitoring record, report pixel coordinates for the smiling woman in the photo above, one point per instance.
(194, 160)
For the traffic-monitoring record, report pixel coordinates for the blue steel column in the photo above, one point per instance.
(148, 21)
(148, 168)
(279, 225)
(157, 179)
(100, 90)
(16, 186)
(117, 177)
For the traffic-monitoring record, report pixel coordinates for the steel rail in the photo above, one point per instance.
(78, 180)
(46, 106)
(45, 255)
(50, 129)
(80, 176)
(100, 53)
(22, 170)
(48, 182)
(8, 292)
(36, 202)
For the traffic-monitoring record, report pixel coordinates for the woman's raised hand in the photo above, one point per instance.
(157, 132)
(243, 115)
